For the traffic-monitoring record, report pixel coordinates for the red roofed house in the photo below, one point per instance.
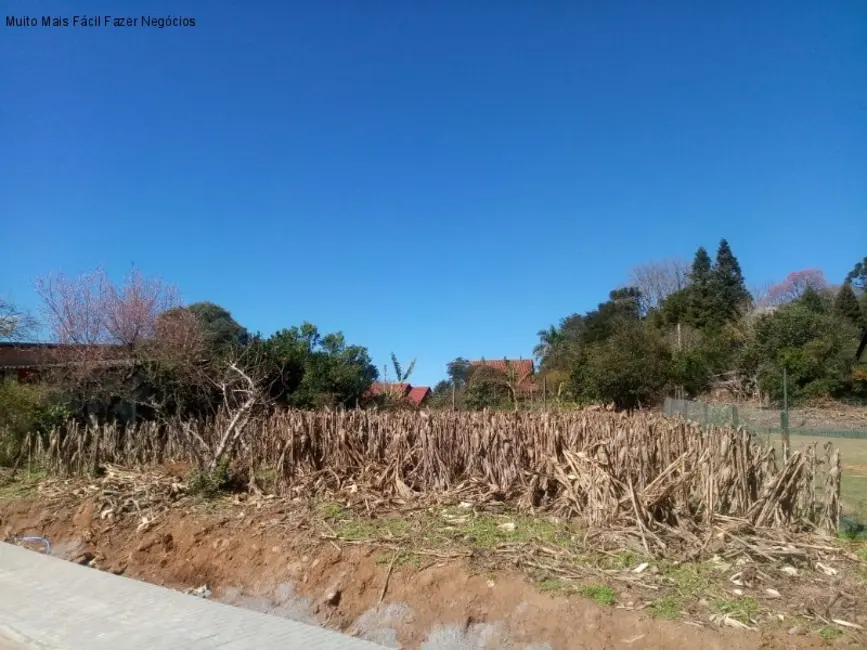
(418, 394)
(521, 370)
(415, 395)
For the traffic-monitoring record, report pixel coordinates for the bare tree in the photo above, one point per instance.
(658, 280)
(15, 324)
(99, 323)
(90, 309)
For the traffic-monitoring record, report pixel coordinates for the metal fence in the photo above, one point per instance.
(780, 428)
(763, 421)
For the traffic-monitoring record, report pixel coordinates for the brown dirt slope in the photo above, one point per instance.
(250, 557)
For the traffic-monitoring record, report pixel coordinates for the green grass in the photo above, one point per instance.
(486, 531)
(20, 487)
(740, 609)
(668, 607)
(621, 562)
(829, 633)
(688, 579)
(602, 594)
(553, 585)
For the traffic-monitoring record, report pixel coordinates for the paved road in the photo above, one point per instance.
(50, 604)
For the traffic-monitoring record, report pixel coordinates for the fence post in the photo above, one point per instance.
(784, 416)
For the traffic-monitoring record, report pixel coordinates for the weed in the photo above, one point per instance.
(332, 510)
(602, 594)
(17, 489)
(624, 560)
(829, 633)
(488, 532)
(668, 607)
(741, 609)
(209, 485)
(689, 579)
(553, 585)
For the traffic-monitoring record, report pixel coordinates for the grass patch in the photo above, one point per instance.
(602, 594)
(829, 633)
(689, 579)
(353, 528)
(19, 487)
(740, 609)
(401, 559)
(623, 561)
(668, 607)
(486, 531)
(554, 586)
(332, 510)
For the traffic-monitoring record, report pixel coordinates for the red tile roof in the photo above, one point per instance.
(414, 394)
(523, 369)
(382, 388)
(418, 394)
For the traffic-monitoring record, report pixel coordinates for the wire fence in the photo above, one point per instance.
(771, 427)
(761, 421)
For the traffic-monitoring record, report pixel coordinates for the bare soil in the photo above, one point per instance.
(254, 555)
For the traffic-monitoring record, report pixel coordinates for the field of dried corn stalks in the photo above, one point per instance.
(663, 479)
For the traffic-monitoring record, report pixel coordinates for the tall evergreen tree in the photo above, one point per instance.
(700, 307)
(701, 266)
(846, 305)
(729, 289)
(818, 302)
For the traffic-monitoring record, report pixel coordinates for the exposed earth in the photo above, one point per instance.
(258, 555)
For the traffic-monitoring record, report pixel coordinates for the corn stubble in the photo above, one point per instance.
(663, 480)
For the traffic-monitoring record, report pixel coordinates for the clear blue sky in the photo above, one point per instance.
(433, 178)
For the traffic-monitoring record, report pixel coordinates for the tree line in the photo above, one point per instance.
(687, 328)
(132, 350)
(690, 328)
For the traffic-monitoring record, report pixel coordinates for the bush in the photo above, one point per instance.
(630, 369)
(207, 484)
(27, 408)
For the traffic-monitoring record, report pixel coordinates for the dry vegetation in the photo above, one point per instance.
(666, 483)
(636, 511)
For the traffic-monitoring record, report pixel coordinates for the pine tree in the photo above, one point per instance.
(815, 301)
(846, 305)
(700, 307)
(701, 266)
(729, 289)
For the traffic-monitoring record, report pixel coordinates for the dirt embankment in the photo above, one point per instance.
(253, 558)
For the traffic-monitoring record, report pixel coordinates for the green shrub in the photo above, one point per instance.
(27, 408)
(207, 484)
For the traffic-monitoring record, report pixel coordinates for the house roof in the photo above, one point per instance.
(43, 355)
(414, 394)
(417, 394)
(522, 367)
(383, 388)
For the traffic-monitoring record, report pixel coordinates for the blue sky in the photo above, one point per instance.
(433, 178)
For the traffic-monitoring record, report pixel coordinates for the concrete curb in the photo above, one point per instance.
(50, 604)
